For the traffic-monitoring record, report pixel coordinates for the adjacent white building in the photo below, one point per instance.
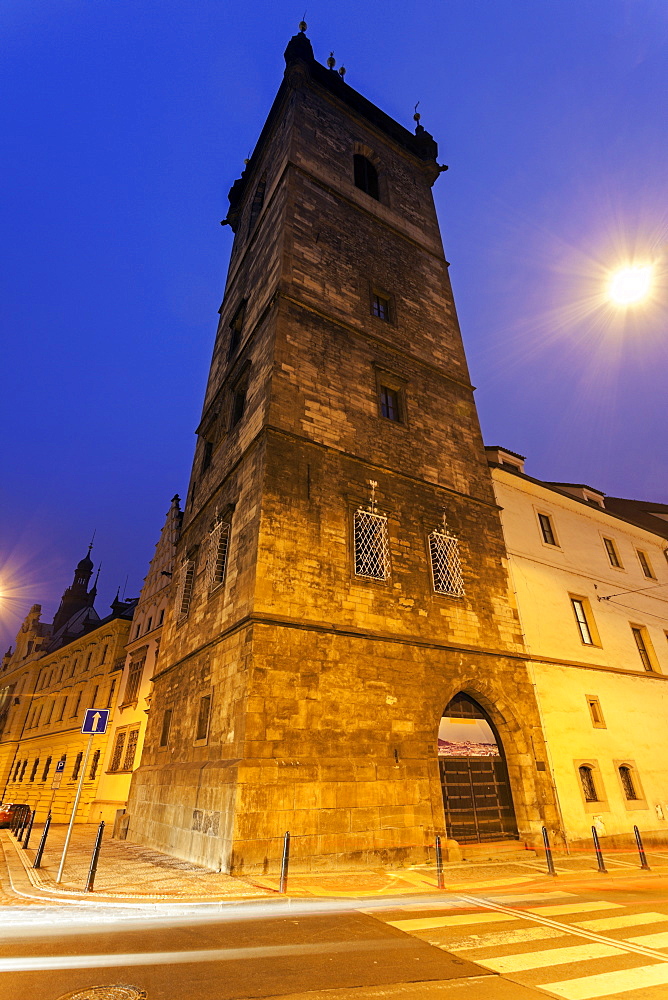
(590, 575)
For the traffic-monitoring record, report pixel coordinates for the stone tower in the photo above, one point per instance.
(340, 573)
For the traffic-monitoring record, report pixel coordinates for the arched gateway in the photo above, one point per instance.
(476, 792)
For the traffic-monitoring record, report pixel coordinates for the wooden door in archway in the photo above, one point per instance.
(474, 778)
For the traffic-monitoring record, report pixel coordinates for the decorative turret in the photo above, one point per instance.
(77, 596)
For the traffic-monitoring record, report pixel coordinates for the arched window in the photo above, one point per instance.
(366, 176)
(588, 786)
(628, 785)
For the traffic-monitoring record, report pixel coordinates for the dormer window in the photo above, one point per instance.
(366, 176)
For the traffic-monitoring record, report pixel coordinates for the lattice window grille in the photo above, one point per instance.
(118, 752)
(446, 566)
(130, 749)
(371, 537)
(218, 548)
(185, 589)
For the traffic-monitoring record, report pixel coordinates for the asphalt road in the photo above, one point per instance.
(574, 942)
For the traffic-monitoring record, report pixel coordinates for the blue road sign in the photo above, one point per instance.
(95, 721)
(60, 766)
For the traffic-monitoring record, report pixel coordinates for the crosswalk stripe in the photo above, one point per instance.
(564, 908)
(504, 938)
(455, 920)
(526, 897)
(604, 983)
(552, 956)
(626, 920)
(659, 940)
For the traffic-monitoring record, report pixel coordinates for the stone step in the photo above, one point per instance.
(507, 850)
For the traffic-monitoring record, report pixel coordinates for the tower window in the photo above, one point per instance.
(626, 778)
(613, 554)
(166, 726)
(238, 405)
(218, 547)
(583, 621)
(203, 717)
(446, 568)
(389, 403)
(257, 203)
(372, 550)
(645, 565)
(207, 455)
(366, 176)
(236, 327)
(644, 646)
(587, 781)
(380, 306)
(547, 529)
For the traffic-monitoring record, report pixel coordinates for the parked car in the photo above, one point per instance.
(8, 812)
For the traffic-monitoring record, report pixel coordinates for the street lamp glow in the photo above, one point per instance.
(630, 285)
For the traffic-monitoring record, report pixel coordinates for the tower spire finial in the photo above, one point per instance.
(302, 24)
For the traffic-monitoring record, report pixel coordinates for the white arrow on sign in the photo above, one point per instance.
(96, 719)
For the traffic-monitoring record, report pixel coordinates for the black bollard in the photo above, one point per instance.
(439, 864)
(548, 854)
(29, 830)
(641, 850)
(14, 821)
(599, 852)
(95, 857)
(40, 850)
(285, 861)
(22, 824)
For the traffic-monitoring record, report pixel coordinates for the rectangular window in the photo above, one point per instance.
(112, 689)
(644, 646)
(94, 765)
(47, 768)
(77, 766)
(203, 717)
(547, 529)
(217, 561)
(77, 702)
(207, 455)
(185, 592)
(134, 679)
(166, 726)
(61, 710)
(49, 713)
(238, 405)
(117, 754)
(595, 711)
(588, 784)
(582, 620)
(130, 749)
(380, 306)
(389, 403)
(93, 700)
(446, 569)
(626, 778)
(613, 554)
(236, 328)
(372, 550)
(161, 617)
(149, 625)
(34, 769)
(645, 565)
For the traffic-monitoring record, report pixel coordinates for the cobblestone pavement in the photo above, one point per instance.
(128, 871)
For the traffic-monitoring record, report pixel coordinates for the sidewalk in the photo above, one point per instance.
(128, 872)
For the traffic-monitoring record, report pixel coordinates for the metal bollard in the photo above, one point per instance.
(40, 850)
(548, 854)
(14, 821)
(95, 857)
(439, 864)
(285, 861)
(641, 850)
(22, 824)
(599, 852)
(29, 830)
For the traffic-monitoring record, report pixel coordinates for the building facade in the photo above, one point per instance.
(55, 672)
(590, 574)
(340, 602)
(127, 726)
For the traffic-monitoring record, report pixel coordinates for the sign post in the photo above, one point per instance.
(57, 778)
(94, 724)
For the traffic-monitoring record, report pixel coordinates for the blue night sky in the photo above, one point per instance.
(124, 125)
